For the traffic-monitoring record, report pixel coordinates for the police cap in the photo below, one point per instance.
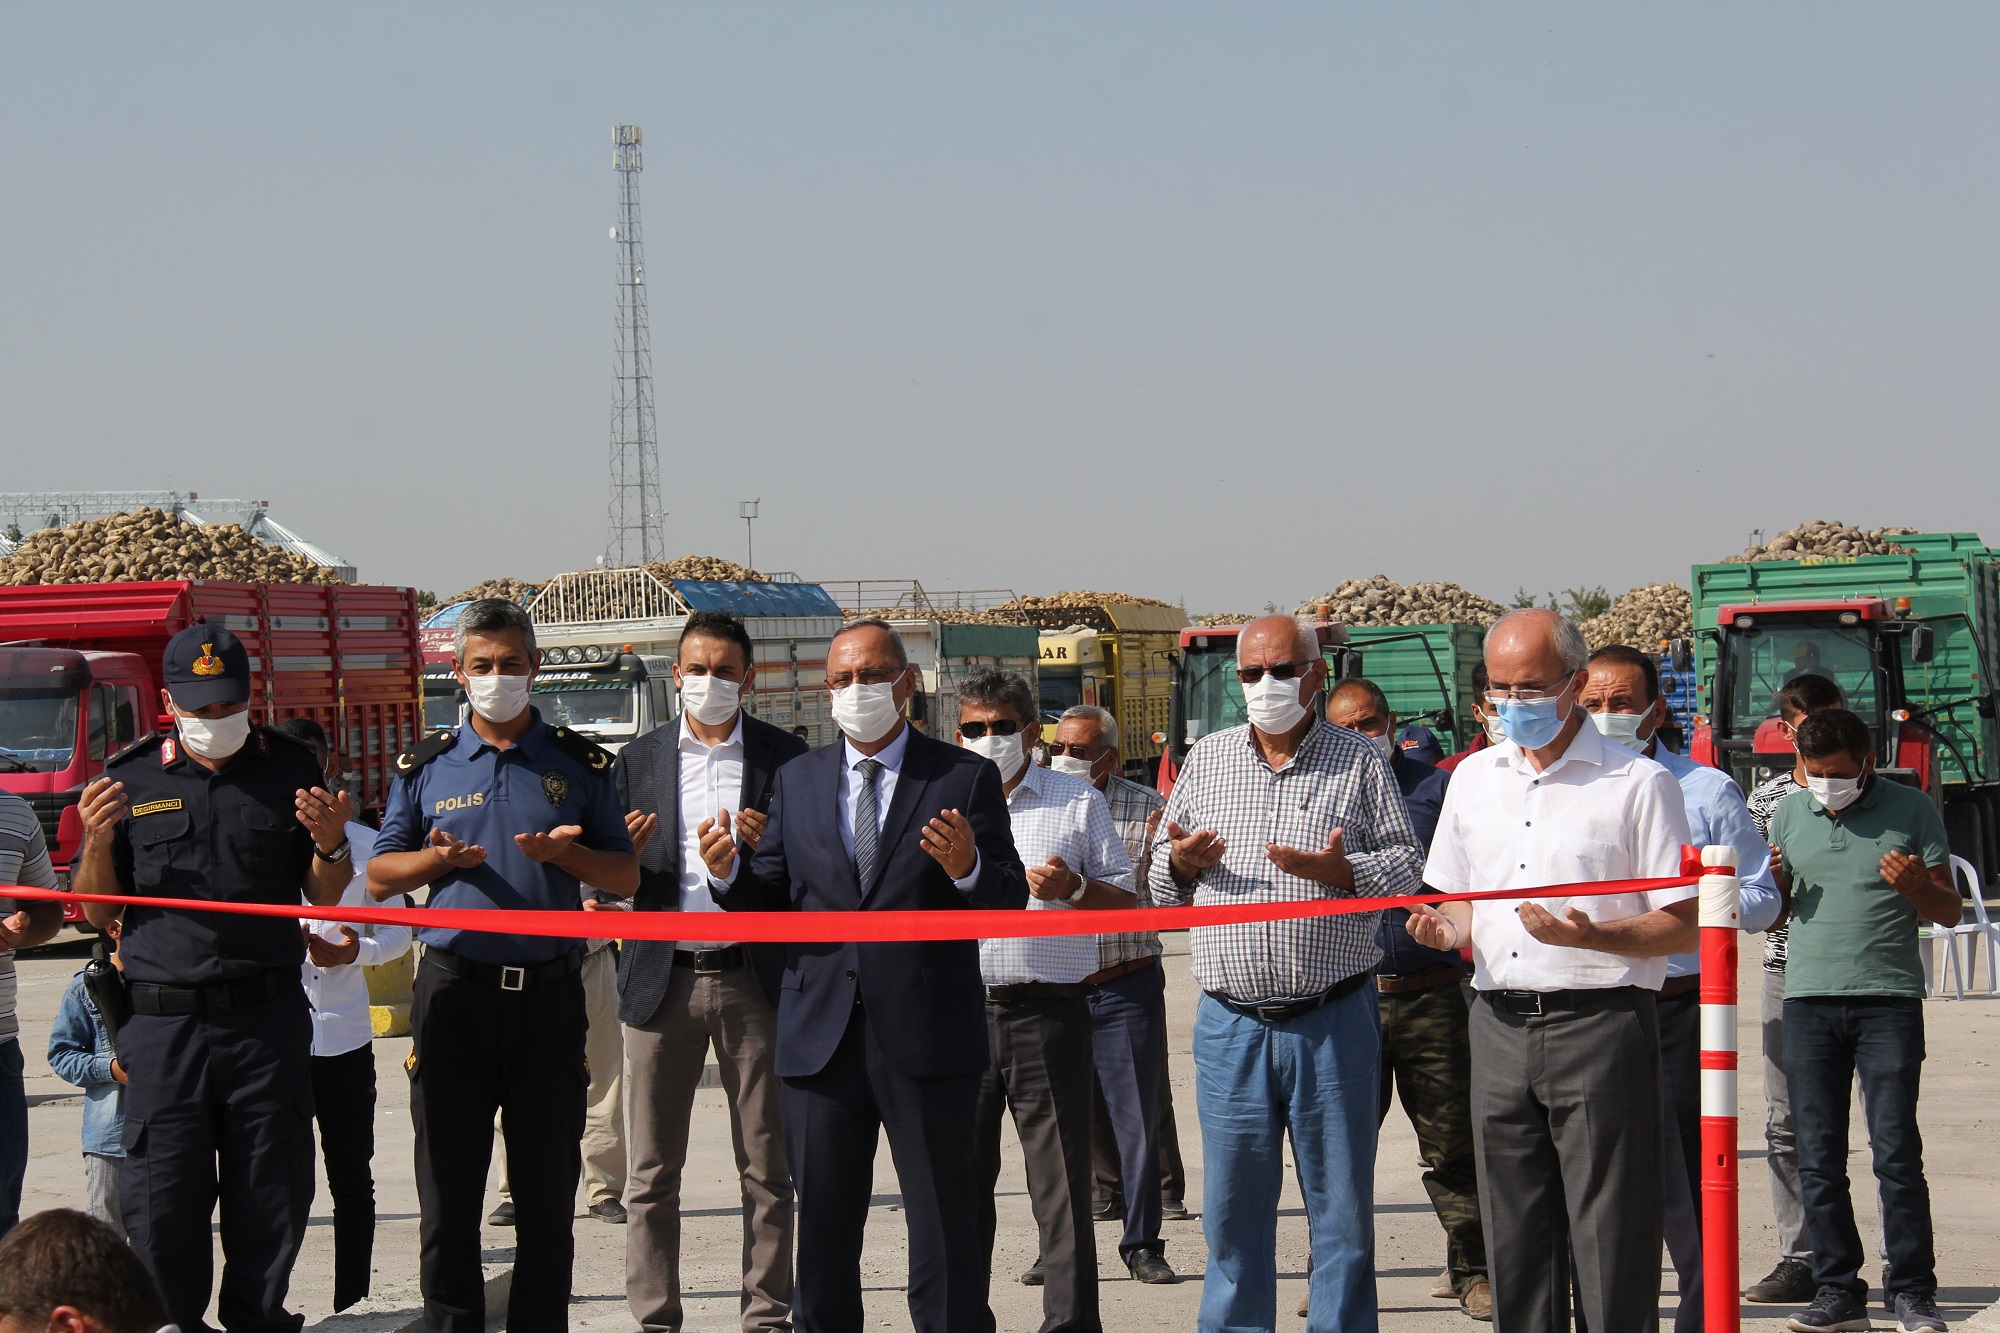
(206, 665)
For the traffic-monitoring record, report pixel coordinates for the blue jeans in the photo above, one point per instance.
(1317, 1077)
(13, 1134)
(1829, 1041)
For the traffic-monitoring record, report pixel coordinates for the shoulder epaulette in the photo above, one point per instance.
(586, 752)
(427, 749)
(144, 745)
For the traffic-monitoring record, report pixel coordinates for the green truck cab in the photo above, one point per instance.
(1911, 641)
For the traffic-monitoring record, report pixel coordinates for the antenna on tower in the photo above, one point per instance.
(635, 510)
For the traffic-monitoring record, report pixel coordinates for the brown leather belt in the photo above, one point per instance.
(1444, 974)
(1679, 986)
(1117, 970)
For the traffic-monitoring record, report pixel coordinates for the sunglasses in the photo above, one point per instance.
(1276, 671)
(1075, 751)
(1006, 726)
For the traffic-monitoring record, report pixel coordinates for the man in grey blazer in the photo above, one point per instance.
(676, 999)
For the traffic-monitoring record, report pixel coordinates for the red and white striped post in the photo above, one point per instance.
(1721, 928)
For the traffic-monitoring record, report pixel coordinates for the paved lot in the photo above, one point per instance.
(1958, 1116)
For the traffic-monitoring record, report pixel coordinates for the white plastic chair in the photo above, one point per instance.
(1927, 937)
(1980, 928)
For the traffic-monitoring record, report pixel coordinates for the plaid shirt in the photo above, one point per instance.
(1054, 814)
(1336, 780)
(1131, 807)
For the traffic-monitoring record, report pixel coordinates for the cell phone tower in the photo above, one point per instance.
(636, 509)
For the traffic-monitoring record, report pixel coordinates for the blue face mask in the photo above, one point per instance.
(1531, 723)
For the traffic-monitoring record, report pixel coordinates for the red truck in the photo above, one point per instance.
(80, 678)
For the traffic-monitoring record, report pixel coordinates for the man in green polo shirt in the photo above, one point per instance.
(1866, 860)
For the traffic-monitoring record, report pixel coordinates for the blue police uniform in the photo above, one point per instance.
(498, 1021)
(218, 1048)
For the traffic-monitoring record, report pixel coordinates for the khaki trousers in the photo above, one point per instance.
(727, 1010)
(604, 1116)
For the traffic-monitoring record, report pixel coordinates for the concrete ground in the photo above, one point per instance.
(1957, 1119)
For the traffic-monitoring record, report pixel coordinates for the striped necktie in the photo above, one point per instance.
(867, 823)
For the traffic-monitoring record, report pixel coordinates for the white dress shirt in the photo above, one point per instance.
(1054, 814)
(339, 995)
(1599, 812)
(711, 780)
(1718, 815)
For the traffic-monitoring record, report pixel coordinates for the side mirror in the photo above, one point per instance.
(1923, 644)
(1681, 653)
(918, 708)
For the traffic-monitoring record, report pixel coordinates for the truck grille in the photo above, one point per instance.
(48, 807)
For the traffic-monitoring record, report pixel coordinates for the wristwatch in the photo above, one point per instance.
(337, 855)
(1082, 887)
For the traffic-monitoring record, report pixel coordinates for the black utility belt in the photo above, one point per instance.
(506, 976)
(708, 962)
(1037, 990)
(224, 997)
(1284, 1011)
(1534, 1003)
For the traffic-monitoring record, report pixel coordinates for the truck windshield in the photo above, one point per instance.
(1214, 698)
(1059, 691)
(37, 730)
(609, 709)
(1763, 659)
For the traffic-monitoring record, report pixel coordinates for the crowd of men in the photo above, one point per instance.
(1544, 1048)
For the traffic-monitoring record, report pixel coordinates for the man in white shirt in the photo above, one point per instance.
(343, 1055)
(1037, 1005)
(715, 763)
(1566, 1080)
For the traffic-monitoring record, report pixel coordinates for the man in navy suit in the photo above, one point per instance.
(880, 1035)
(677, 998)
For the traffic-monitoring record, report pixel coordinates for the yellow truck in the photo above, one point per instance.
(1119, 657)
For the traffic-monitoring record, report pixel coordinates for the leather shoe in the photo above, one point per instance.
(1033, 1277)
(1107, 1210)
(503, 1216)
(1478, 1301)
(1443, 1289)
(609, 1210)
(1173, 1210)
(1306, 1304)
(1151, 1266)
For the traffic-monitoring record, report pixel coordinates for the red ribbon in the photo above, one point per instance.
(840, 927)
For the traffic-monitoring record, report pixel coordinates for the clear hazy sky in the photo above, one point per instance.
(1214, 302)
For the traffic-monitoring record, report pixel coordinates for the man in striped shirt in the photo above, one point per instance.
(24, 860)
(1287, 809)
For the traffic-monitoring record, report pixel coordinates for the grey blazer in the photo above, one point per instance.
(648, 774)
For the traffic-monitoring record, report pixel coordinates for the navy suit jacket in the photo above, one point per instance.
(924, 999)
(648, 773)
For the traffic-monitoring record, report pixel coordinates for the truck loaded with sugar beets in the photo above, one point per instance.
(1913, 641)
(80, 678)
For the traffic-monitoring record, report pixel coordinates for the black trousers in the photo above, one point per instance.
(1680, 1066)
(1042, 1066)
(344, 1105)
(832, 1121)
(219, 1110)
(478, 1049)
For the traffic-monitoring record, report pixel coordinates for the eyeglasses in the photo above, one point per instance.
(1276, 671)
(1526, 694)
(1006, 726)
(866, 676)
(1076, 751)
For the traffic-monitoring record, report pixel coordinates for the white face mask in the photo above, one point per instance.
(1835, 794)
(1386, 744)
(1005, 752)
(1070, 764)
(1274, 705)
(1624, 728)
(498, 699)
(214, 737)
(866, 713)
(710, 700)
(1496, 731)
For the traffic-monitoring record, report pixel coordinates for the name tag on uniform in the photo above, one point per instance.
(156, 807)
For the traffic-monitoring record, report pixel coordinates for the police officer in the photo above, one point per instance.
(218, 1050)
(503, 812)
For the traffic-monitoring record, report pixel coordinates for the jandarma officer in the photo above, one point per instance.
(504, 812)
(218, 1050)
